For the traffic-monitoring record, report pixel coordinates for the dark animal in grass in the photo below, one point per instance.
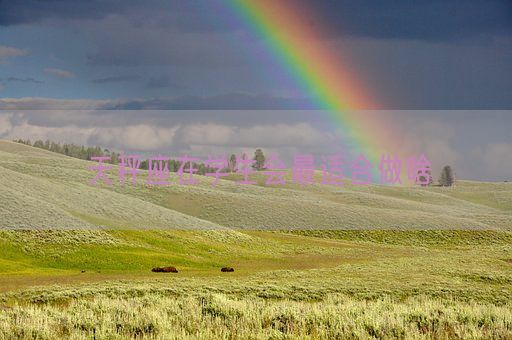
(164, 270)
(227, 269)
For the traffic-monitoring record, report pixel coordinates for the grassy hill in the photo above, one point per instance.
(41, 189)
(310, 261)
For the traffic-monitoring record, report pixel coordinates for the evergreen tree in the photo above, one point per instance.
(447, 178)
(86, 152)
(39, 144)
(259, 159)
(232, 163)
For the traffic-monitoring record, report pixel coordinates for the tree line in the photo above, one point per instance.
(447, 177)
(86, 152)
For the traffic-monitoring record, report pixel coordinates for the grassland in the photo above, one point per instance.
(310, 261)
(222, 316)
(41, 189)
(306, 284)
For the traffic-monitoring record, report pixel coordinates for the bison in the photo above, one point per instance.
(164, 270)
(227, 269)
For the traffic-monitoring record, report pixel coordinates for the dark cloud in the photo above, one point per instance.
(401, 19)
(119, 42)
(35, 11)
(117, 79)
(432, 20)
(25, 80)
(177, 15)
(235, 101)
(162, 82)
(420, 59)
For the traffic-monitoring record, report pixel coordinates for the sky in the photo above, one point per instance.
(96, 71)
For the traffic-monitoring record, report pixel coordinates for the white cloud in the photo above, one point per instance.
(136, 137)
(69, 134)
(276, 135)
(142, 137)
(59, 73)
(205, 134)
(474, 152)
(5, 123)
(9, 52)
(205, 138)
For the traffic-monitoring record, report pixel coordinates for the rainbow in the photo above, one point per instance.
(319, 72)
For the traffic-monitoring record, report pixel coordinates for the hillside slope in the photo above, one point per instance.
(41, 189)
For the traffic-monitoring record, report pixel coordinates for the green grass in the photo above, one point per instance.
(221, 316)
(310, 261)
(398, 263)
(423, 238)
(300, 284)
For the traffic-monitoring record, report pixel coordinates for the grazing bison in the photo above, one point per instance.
(227, 269)
(164, 270)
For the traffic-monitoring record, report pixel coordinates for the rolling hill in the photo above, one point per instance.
(41, 190)
(310, 261)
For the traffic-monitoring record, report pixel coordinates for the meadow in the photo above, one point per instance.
(54, 192)
(310, 261)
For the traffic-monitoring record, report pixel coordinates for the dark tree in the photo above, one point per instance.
(39, 144)
(232, 163)
(259, 159)
(144, 164)
(86, 152)
(447, 178)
